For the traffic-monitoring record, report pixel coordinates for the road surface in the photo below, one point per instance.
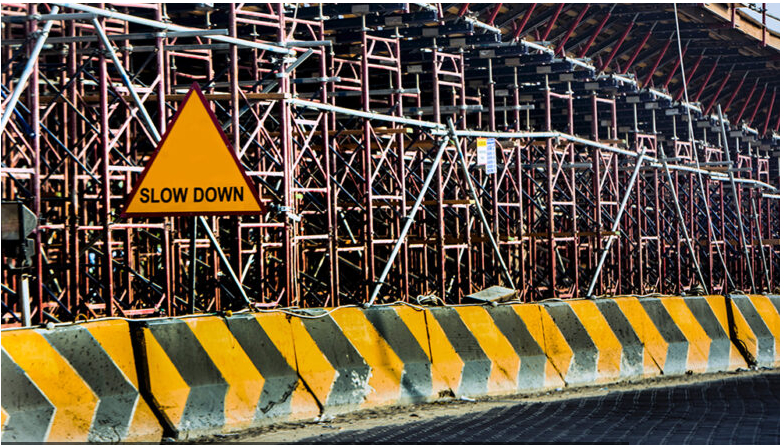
(729, 409)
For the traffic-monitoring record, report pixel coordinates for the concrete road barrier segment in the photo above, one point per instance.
(210, 374)
(757, 326)
(352, 358)
(490, 350)
(73, 383)
(634, 359)
(522, 327)
(712, 314)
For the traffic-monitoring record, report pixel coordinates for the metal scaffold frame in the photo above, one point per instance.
(360, 124)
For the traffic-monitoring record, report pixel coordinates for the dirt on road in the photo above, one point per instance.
(450, 406)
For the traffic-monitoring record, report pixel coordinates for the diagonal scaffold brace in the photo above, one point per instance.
(157, 138)
(451, 138)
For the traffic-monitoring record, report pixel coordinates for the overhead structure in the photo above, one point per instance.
(630, 157)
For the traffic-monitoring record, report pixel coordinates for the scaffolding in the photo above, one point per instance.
(359, 124)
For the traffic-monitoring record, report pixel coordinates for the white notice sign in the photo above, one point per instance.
(490, 166)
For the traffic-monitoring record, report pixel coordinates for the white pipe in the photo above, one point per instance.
(616, 223)
(126, 79)
(169, 26)
(25, 299)
(31, 61)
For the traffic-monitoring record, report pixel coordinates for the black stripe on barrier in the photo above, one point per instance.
(775, 300)
(532, 358)
(351, 385)
(764, 337)
(205, 407)
(676, 361)
(29, 411)
(476, 364)
(632, 358)
(720, 345)
(583, 368)
(416, 380)
(117, 396)
(280, 379)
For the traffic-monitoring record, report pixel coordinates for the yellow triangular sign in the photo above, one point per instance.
(194, 170)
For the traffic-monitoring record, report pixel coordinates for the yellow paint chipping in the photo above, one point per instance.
(386, 366)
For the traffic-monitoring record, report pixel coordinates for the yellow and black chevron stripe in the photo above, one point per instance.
(757, 321)
(73, 383)
(485, 351)
(353, 358)
(210, 374)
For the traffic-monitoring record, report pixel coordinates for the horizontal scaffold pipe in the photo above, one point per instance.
(171, 27)
(440, 130)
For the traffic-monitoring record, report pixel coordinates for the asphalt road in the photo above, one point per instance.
(741, 410)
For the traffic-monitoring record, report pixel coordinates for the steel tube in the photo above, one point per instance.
(736, 201)
(616, 222)
(172, 27)
(409, 221)
(147, 120)
(32, 59)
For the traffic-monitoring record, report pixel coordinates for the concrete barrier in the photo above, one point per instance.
(670, 347)
(522, 327)
(334, 370)
(73, 383)
(490, 350)
(757, 326)
(210, 375)
(404, 330)
(585, 364)
(712, 314)
(458, 355)
(635, 360)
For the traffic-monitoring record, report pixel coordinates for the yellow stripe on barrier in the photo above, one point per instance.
(543, 328)
(771, 318)
(279, 331)
(415, 320)
(245, 382)
(717, 304)
(698, 341)
(74, 401)
(114, 338)
(532, 316)
(607, 344)
(313, 367)
(505, 362)
(447, 365)
(654, 347)
(165, 382)
(386, 366)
